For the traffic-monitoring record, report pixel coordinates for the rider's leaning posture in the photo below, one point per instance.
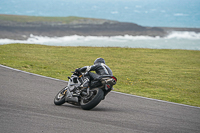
(86, 88)
(99, 67)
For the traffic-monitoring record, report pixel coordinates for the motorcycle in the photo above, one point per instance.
(86, 98)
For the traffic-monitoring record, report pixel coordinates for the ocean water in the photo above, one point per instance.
(167, 13)
(164, 13)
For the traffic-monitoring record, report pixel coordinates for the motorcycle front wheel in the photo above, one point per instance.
(60, 97)
(95, 97)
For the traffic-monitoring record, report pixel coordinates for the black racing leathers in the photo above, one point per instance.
(99, 68)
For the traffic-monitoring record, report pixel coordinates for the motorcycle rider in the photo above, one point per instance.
(99, 67)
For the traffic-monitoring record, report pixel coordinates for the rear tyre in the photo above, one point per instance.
(89, 102)
(60, 98)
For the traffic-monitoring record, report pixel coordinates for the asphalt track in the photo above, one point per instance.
(26, 106)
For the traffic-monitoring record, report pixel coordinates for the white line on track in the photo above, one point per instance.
(112, 91)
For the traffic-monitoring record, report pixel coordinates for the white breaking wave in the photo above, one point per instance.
(175, 40)
(184, 35)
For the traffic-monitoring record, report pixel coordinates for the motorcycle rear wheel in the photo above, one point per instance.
(93, 101)
(60, 98)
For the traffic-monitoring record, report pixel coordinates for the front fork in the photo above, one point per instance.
(65, 90)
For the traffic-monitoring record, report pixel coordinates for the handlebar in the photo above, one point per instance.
(78, 73)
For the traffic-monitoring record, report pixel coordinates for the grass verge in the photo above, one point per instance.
(171, 75)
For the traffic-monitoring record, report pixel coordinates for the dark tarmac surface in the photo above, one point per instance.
(26, 106)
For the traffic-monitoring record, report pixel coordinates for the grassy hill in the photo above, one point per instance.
(56, 20)
(20, 27)
(14, 26)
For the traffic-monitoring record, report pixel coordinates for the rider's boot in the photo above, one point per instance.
(81, 87)
(85, 84)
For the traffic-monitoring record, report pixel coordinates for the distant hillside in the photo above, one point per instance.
(20, 27)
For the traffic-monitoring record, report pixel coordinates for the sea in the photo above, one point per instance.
(153, 13)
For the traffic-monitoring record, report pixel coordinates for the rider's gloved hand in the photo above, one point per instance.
(77, 70)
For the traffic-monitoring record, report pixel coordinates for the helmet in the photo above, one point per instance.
(99, 60)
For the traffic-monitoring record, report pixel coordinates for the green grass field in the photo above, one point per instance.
(171, 75)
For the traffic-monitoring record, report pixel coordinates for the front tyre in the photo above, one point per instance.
(60, 98)
(93, 100)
